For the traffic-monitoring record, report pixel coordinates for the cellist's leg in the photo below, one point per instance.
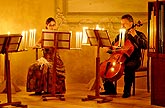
(128, 79)
(129, 70)
(109, 88)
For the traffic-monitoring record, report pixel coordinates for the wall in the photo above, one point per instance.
(17, 16)
(21, 15)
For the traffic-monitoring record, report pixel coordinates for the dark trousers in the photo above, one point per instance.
(109, 86)
(129, 71)
(129, 75)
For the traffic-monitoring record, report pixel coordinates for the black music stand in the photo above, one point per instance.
(98, 38)
(56, 40)
(9, 43)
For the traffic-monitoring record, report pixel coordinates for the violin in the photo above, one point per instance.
(113, 67)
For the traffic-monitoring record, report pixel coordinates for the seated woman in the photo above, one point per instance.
(40, 73)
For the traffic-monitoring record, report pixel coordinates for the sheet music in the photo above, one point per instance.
(49, 36)
(1, 43)
(11, 41)
(106, 42)
(90, 33)
(103, 33)
(15, 40)
(2, 40)
(12, 47)
(95, 35)
(92, 37)
(48, 43)
(93, 41)
(63, 45)
(63, 36)
(63, 39)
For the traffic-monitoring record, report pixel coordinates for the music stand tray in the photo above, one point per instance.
(56, 40)
(9, 43)
(98, 38)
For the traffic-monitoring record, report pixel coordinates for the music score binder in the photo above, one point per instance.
(10, 42)
(95, 35)
(63, 39)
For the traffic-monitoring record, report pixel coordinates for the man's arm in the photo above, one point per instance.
(141, 40)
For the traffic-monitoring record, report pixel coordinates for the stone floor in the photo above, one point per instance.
(73, 99)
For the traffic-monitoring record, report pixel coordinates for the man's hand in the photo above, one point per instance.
(132, 32)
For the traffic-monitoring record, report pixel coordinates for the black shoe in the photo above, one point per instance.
(50, 93)
(104, 93)
(126, 95)
(36, 94)
(47, 93)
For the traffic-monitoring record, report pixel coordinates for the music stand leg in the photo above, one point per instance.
(8, 86)
(17, 104)
(53, 92)
(97, 97)
(57, 96)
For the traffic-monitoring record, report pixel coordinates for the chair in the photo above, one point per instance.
(142, 68)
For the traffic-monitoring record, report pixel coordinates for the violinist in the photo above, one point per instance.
(38, 80)
(132, 62)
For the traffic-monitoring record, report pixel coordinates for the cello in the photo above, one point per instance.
(113, 67)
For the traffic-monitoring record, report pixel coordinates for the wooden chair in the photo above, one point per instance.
(142, 68)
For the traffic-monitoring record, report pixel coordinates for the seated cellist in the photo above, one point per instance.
(132, 62)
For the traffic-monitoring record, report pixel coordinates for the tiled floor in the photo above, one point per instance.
(75, 94)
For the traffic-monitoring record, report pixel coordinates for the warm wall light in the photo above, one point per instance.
(8, 33)
(78, 40)
(32, 37)
(28, 39)
(152, 32)
(24, 42)
(84, 38)
(22, 45)
(98, 27)
(122, 37)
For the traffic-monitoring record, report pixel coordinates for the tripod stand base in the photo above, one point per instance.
(57, 96)
(99, 99)
(14, 87)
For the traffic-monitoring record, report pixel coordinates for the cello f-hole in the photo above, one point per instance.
(107, 67)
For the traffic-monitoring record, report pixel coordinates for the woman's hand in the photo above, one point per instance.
(106, 49)
(36, 46)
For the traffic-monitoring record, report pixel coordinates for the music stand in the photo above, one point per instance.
(56, 40)
(98, 38)
(9, 43)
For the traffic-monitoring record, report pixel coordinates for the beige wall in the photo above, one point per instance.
(21, 15)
